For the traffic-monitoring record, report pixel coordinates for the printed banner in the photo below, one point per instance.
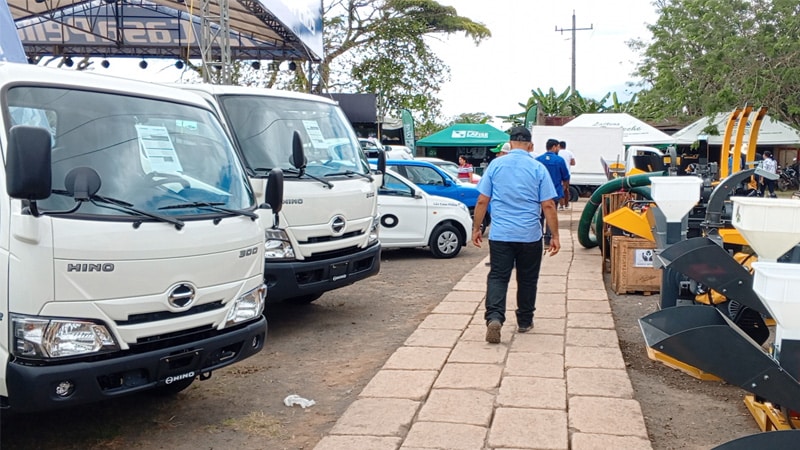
(303, 17)
(408, 130)
(10, 45)
(530, 117)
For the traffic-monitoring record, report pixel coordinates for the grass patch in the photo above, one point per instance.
(256, 423)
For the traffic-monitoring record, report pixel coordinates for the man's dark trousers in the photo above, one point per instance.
(527, 257)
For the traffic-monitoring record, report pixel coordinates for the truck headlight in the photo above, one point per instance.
(374, 229)
(277, 245)
(56, 338)
(248, 306)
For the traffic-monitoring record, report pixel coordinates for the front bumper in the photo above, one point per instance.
(286, 280)
(32, 388)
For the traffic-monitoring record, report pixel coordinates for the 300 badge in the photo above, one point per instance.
(248, 252)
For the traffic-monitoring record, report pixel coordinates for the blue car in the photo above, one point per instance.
(435, 181)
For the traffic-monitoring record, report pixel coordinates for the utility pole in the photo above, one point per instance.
(573, 30)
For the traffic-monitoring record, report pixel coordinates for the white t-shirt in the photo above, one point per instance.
(567, 156)
(770, 165)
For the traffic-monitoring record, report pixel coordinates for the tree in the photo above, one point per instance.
(710, 56)
(471, 118)
(566, 103)
(378, 46)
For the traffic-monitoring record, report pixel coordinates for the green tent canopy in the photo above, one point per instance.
(465, 135)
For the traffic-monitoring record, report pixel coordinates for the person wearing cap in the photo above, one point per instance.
(568, 158)
(559, 173)
(520, 191)
(501, 149)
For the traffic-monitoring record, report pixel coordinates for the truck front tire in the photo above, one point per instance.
(574, 194)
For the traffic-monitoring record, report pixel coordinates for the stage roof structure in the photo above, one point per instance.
(274, 30)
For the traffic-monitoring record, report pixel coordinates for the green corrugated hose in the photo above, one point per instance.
(635, 183)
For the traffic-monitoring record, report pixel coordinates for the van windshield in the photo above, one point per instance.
(150, 154)
(264, 127)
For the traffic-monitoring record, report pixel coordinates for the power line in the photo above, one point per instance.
(573, 30)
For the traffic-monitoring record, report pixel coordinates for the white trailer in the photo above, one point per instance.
(592, 147)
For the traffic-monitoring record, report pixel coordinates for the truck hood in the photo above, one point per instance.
(107, 260)
(309, 203)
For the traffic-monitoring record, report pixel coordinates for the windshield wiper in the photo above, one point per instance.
(214, 206)
(350, 172)
(299, 173)
(118, 205)
(130, 209)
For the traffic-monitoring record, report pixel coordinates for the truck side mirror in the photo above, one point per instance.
(382, 166)
(273, 194)
(298, 155)
(28, 170)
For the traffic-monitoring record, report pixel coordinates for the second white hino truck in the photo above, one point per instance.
(328, 236)
(130, 254)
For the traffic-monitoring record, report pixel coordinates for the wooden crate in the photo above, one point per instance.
(631, 266)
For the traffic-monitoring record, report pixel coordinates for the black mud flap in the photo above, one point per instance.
(701, 260)
(772, 440)
(703, 337)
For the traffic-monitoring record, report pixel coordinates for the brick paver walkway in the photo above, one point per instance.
(561, 386)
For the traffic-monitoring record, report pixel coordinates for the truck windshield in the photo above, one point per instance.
(263, 126)
(149, 153)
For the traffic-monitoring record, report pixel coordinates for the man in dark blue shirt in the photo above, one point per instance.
(559, 173)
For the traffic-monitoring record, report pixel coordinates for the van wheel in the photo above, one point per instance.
(303, 299)
(445, 241)
(574, 194)
(172, 388)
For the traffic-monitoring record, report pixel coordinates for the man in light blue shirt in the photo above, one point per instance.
(520, 191)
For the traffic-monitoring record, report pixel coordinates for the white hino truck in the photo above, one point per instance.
(329, 233)
(130, 254)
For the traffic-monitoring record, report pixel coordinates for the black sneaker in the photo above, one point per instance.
(493, 331)
(524, 329)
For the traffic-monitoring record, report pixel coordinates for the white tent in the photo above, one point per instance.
(772, 131)
(634, 131)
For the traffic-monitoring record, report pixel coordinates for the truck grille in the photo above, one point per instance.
(318, 239)
(165, 315)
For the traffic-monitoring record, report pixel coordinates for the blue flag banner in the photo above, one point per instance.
(10, 45)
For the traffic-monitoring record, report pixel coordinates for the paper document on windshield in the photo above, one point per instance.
(158, 153)
(315, 134)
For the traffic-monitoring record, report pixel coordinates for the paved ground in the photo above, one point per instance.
(561, 386)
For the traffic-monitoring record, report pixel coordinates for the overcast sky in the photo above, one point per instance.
(526, 52)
